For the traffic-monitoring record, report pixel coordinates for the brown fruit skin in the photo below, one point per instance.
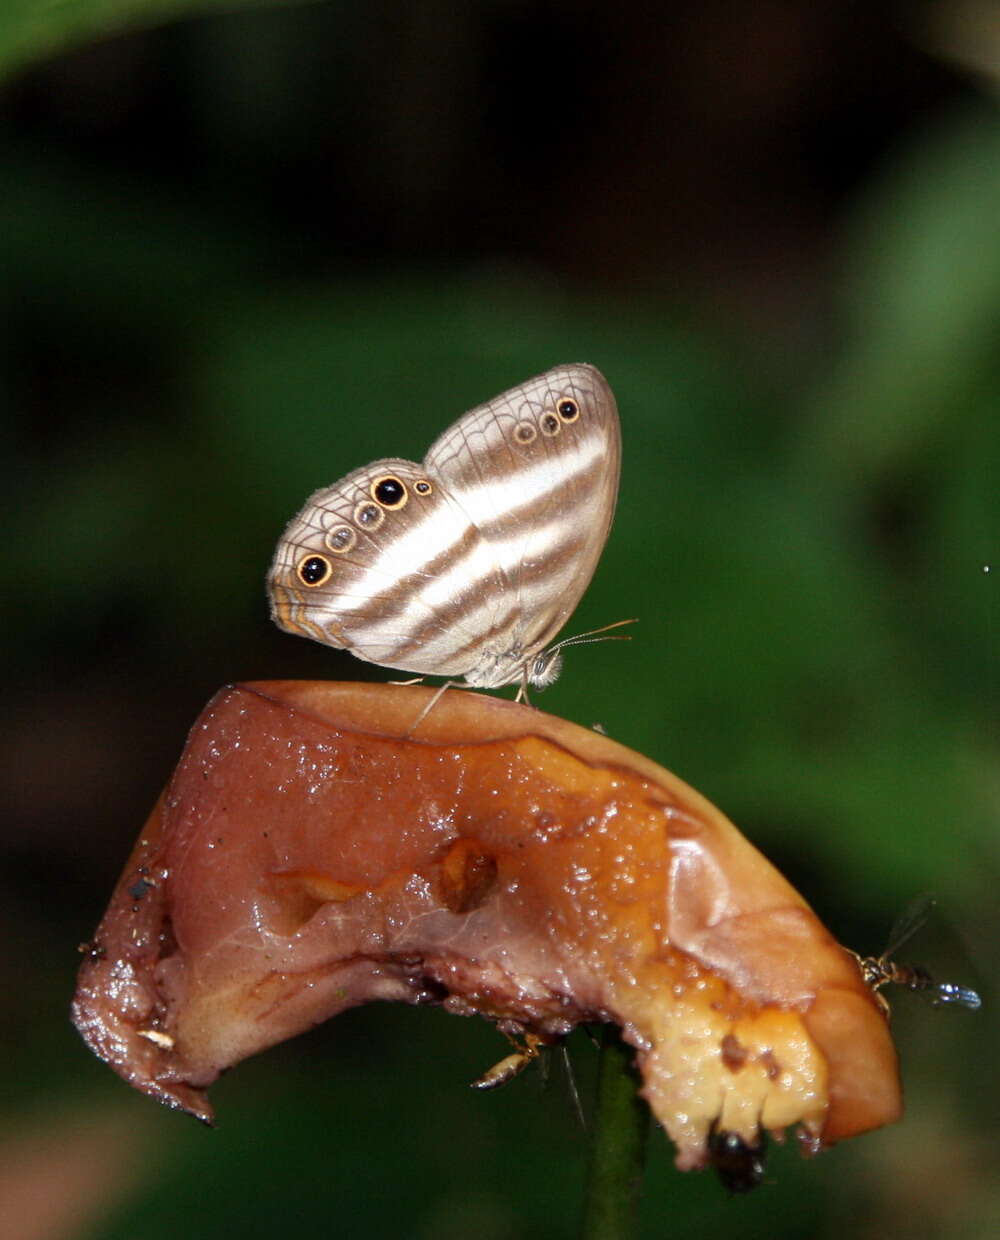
(309, 854)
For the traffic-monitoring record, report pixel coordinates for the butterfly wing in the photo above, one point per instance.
(385, 564)
(536, 473)
(469, 564)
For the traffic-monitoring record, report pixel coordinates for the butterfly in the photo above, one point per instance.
(469, 563)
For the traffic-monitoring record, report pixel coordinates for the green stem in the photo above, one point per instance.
(618, 1148)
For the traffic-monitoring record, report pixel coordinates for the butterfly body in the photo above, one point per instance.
(469, 563)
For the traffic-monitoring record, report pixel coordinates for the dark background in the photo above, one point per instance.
(243, 254)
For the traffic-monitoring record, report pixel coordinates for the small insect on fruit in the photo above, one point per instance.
(739, 1164)
(525, 1050)
(879, 971)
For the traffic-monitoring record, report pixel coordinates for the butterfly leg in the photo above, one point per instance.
(448, 684)
(404, 684)
(522, 689)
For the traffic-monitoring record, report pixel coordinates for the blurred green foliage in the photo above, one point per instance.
(808, 539)
(30, 30)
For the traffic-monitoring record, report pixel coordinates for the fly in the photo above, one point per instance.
(879, 971)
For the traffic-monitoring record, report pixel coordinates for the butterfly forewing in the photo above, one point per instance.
(536, 470)
(468, 564)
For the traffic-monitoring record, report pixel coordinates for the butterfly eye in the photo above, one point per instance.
(423, 487)
(525, 433)
(314, 570)
(389, 492)
(369, 516)
(549, 425)
(341, 538)
(568, 409)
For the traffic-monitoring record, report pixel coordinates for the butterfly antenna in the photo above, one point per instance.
(585, 639)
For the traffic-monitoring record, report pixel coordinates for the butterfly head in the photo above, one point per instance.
(545, 668)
